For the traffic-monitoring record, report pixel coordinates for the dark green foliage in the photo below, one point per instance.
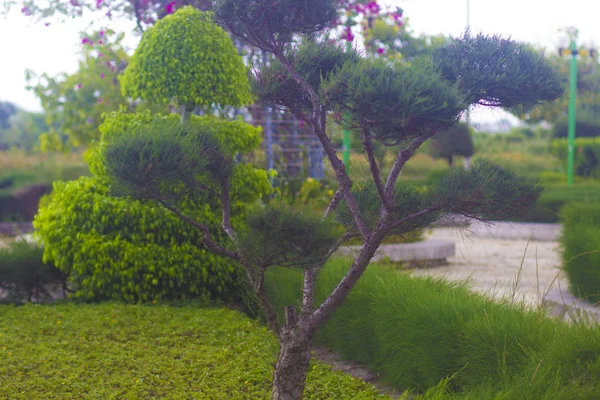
(279, 235)
(24, 275)
(105, 351)
(581, 249)
(586, 125)
(158, 159)
(414, 332)
(456, 141)
(270, 24)
(484, 191)
(313, 61)
(497, 72)
(557, 196)
(407, 201)
(587, 158)
(393, 102)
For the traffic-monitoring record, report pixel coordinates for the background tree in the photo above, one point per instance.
(79, 100)
(7, 109)
(401, 104)
(456, 141)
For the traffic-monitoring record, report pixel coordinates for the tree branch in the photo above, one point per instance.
(308, 289)
(263, 298)
(402, 158)
(318, 122)
(226, 203)
(340, 293)
(335, 202)
(208, 242)
(398, 223)
(368, 145)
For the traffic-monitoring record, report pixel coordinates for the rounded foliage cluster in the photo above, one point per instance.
(455, 141)
(188, 58)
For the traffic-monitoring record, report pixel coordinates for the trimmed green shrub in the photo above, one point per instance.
(116, 351)
(416, 332)
(188, 58)
(587, 159)
(581, 249)
(557, 196)
(119, 248)
(456, 141)
(23, 274)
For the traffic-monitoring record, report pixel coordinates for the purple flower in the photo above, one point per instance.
(90, 120)
(47, 23)
(78, 86)
(170, 7)
(26, 11)
(380, 50)
(99, 3)
(85, 41)
(101, 33)
(102, 75)
(301, 124)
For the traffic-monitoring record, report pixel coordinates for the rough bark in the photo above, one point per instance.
(292, 364)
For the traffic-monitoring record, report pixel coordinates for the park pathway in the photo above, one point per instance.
(493, 265)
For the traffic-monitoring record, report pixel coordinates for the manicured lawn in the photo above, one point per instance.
(115, 351)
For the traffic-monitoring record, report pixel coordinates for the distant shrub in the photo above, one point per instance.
(581, 249)
(587, 161)
(456, 141)
(585, 126)
(24, 275)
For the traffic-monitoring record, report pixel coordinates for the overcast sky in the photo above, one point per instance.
(53, 49)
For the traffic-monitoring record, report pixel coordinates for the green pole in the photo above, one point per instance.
(572, 103)
(347, 138)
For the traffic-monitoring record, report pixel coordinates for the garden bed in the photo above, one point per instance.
(114, 351)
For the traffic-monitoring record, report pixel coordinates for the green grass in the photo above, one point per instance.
(115, 351)
(416, 332)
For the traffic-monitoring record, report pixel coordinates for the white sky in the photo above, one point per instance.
(53, 49)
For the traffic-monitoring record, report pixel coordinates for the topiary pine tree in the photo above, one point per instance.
(456, 141)
(391, 103)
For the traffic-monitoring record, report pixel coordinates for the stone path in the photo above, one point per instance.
(494, 265)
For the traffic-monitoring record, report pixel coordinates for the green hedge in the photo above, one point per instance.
(587, 155)
(23, 275)
(557, 196)
(581, 249)
(415, 332)
(115, 351)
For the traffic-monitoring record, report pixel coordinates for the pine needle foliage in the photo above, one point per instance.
(497, 72)
(314, 61)
(394, 101)
(270, 24)
(485, 191)
(279, 235)
(159, 160)
(407, 200)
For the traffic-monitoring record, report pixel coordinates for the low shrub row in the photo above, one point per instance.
(416, 332)
(556, 196)
(116, 351)
(580, 243)
(24, 276)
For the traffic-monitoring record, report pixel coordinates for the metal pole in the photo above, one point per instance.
(572, 113)
(468, 29)
(268, 128)
(347, 137)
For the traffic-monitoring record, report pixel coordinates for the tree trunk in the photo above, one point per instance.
(450, 159)
(292, 364)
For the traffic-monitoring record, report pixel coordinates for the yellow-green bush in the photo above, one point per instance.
(189, 58)
(119, 248)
